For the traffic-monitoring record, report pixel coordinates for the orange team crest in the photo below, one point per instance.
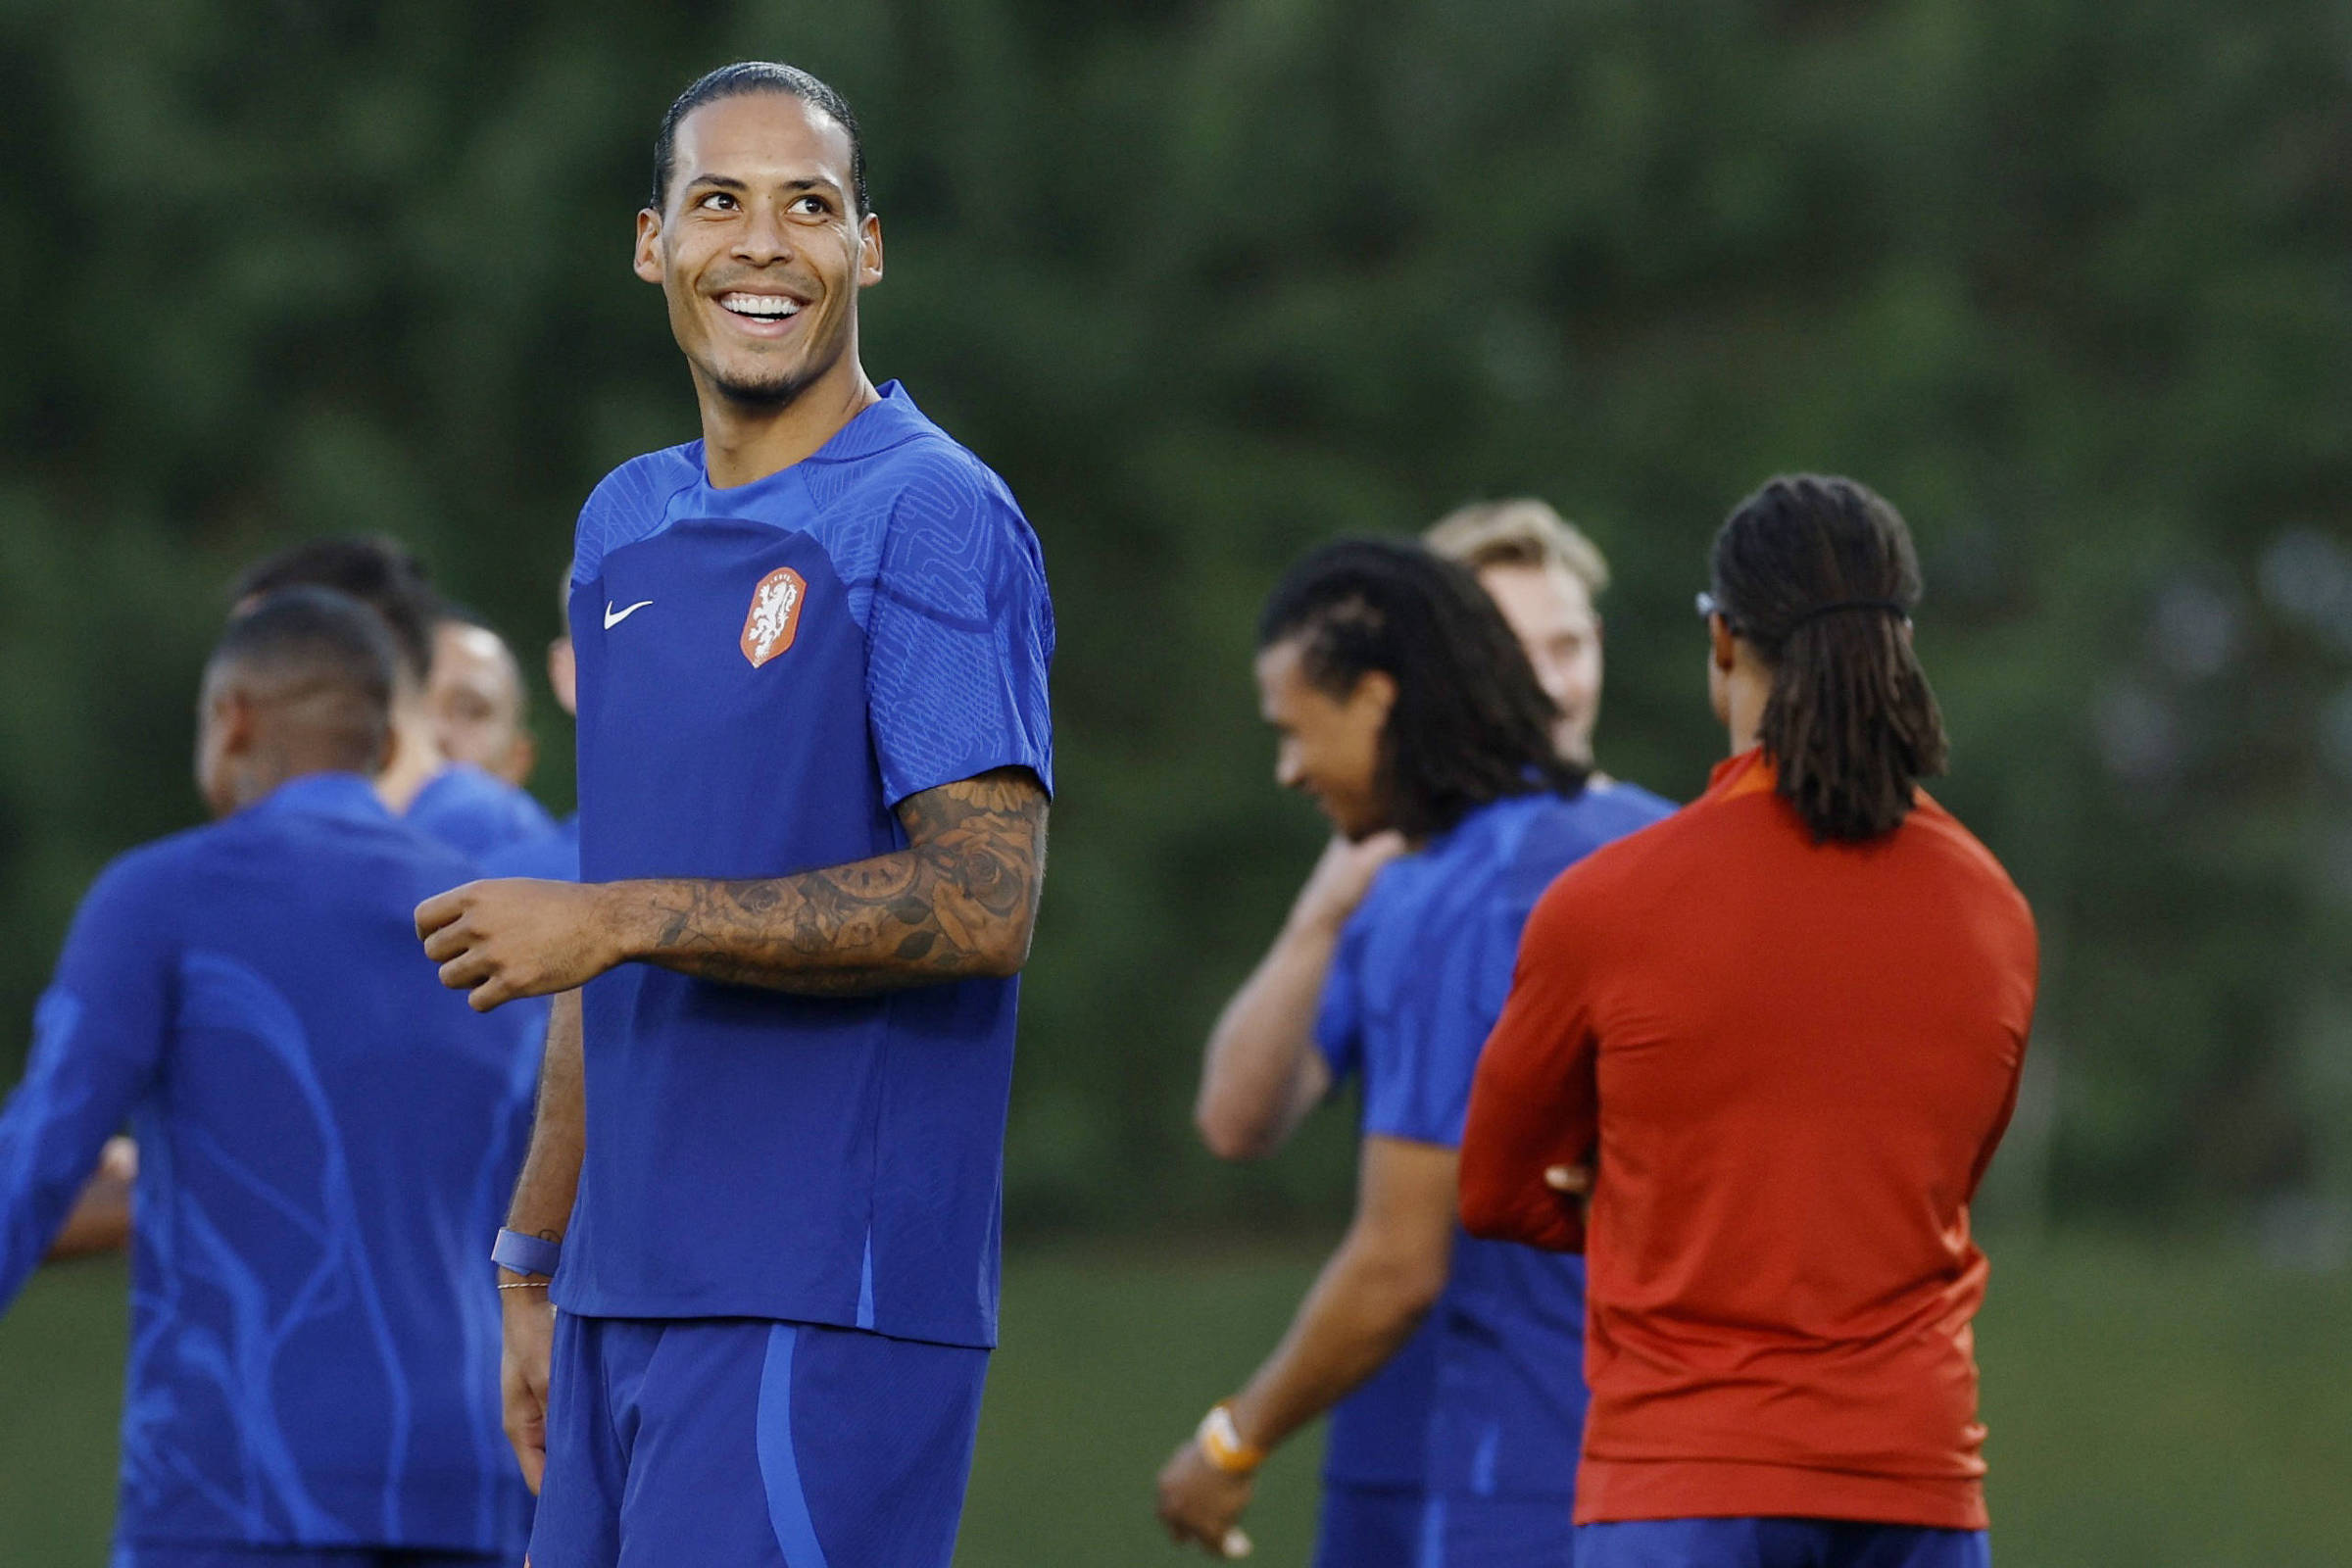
(775, 615)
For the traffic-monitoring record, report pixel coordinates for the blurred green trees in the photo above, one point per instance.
(1210, 281)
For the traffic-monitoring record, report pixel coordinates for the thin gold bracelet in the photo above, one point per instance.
(524, 1285)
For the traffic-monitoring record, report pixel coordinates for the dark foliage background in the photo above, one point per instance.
(1209, 281)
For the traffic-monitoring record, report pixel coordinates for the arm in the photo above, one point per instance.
(98, 1036)
(1367, 1301)
(1534, 1106)
(1261, 1073)
(958, 901)
(542, 1207)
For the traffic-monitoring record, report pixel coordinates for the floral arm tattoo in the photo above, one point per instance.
(960, 901)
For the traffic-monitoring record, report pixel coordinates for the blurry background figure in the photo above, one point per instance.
(555, 853)
(1545, 575)
(460, 803)
(313, 1371)
(477, 698)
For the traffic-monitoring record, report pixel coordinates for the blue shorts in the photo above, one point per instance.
(209, 1554)
(1776, 1544)
(695, 1442)
(1382, 1527)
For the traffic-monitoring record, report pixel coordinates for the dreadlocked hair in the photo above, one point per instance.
(1818, 574)
(1470, 724)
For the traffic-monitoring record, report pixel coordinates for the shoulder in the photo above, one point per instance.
(1977, 866)
(631, 500)
(161, 866)
(1616, 800)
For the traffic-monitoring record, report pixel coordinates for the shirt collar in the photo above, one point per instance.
(344, 796)
(1751, 772)
(884, 424)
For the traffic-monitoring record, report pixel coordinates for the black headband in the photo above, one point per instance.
(1889, 606)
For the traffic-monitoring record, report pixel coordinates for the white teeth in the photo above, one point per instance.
(763, 306)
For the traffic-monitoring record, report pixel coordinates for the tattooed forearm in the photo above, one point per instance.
(957, 901)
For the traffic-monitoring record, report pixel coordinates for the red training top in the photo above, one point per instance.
(1796, 1058)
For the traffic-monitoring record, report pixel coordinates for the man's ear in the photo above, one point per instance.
(1376, 688)
(1727, 647)
(235, 720)
(646, 261)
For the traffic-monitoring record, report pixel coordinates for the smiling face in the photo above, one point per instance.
(1327, 747)
(758, 248)
(1550, 611)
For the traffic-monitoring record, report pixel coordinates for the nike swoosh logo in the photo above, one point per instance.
(615, 618)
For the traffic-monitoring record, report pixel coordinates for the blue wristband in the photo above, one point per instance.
(527, 1254)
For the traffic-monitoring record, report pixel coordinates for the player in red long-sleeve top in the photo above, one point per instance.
(1777, 1036)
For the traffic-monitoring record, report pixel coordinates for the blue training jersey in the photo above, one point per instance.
(325, 1137)
(1488, 1396)
(765, 672)
(476, 812)
(552, 857)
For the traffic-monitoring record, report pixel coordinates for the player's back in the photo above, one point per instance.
(327, 1140)
(1488, 1397)
(1805, 1053)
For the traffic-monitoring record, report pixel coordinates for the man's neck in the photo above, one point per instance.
(745, 441)
(415, 758)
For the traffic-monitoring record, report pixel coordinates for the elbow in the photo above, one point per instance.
(1405, 1285)
(1004, 952)
(1230, 1135)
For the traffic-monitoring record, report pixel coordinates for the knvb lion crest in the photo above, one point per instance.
(775, 615)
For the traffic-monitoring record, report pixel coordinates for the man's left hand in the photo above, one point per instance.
(515, 937)
(1197, 1502)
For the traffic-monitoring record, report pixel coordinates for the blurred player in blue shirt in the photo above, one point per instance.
(815, 759)
(322, 1129)
(1404, 705)
(555, 856)
(461, 804)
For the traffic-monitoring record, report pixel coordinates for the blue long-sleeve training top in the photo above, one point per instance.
(327, 1137)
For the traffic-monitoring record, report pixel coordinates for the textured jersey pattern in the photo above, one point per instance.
(324, 1141)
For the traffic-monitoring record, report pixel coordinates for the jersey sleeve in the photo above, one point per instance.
(1339, 1012)
(959, 637)
(1535, 1102)
(98, 1039)
(1417, 1072)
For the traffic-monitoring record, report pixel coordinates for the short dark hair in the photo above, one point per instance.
(757, 75)
(323, 645)
(1818, 575)
(1471, 724)
(378, 571)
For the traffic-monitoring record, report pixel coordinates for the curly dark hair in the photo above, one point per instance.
(1470, 725)
(1818, 575)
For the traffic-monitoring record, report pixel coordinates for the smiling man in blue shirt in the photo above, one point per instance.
(1452, 1367)
(815, 759)
(323, 1131)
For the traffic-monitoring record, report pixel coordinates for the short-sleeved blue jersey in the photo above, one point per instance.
(476, 812)
(325, 1135)
(1488, 1396)
(765, 672)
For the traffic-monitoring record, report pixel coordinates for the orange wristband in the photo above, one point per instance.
(1221, 1441)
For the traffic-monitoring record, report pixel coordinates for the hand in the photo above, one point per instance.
(515, 937)
(1343, 876)
(522, 1371)
(1197, 1502)
(1574, 1183)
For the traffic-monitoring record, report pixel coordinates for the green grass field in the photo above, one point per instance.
(2148, 1408)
